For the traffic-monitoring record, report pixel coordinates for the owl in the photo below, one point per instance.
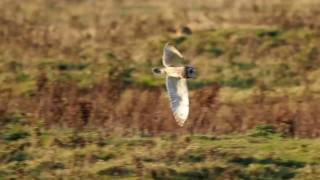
(176, 82)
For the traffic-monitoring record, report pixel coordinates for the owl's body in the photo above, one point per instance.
(176, 82)
(178, 72)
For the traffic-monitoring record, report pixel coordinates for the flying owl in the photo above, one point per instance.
(176, 81)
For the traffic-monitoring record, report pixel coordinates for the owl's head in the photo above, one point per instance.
(190, 72)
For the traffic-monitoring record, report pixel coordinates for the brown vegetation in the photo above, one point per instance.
(138, 110)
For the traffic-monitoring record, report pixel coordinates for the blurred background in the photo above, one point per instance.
(79, 66)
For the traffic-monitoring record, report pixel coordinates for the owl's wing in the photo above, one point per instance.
(170, 55)
(179, 100)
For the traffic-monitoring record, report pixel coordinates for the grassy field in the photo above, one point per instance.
(37, 153)
(78, 98)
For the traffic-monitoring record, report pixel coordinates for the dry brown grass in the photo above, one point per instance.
(134, 111)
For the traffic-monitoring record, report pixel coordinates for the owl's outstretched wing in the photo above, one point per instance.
(171, 56)
(179, 100)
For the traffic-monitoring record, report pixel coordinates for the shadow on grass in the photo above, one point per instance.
(269, 168)
(250, 160)
(116, 171)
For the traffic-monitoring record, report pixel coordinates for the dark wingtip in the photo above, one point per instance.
(156, 70)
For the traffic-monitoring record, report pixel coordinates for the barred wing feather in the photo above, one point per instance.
(179, 100)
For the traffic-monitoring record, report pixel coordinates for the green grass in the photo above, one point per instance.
(281, 59)
(261, 154)
(238, 58)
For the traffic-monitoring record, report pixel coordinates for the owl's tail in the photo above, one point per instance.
(158, 71)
